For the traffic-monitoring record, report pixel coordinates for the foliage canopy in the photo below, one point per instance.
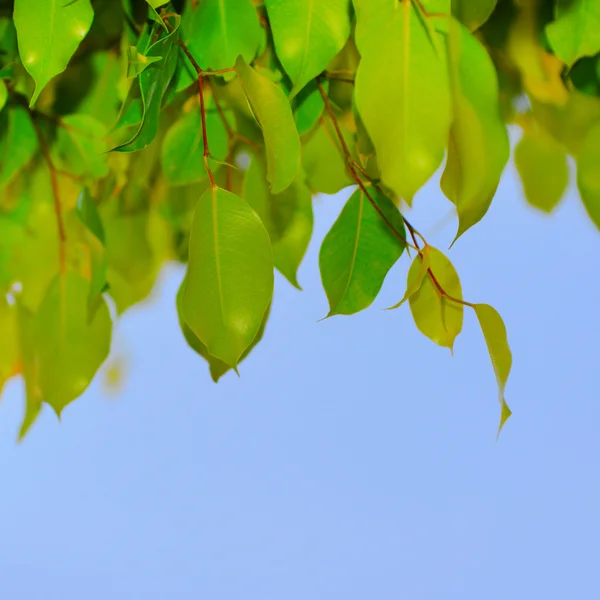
(135, 132)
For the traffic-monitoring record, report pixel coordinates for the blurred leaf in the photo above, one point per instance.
(18, 142)
(588, 173)
(3, 94)
(473, 14)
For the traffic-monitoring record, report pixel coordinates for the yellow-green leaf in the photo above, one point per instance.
(3, 94)
(588, 173)
(230, 275)
(71, 347)
(542, 165)
(49, 33)
(274, 114)
(308, 35)
(358, 251)
(403, 98)
(416, 275)
(494, 332)
(9, 344)
(478, 148)
(575, 32)
(435, 316)
(473, 13)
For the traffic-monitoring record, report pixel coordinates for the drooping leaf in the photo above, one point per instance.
(230, 275)
(183, 148)
(437, 317)
(49, 33)
(218, 31)
(9, 343)
(70, 346)
(575, 32)
(473, 14)
(406, 109)
(137, 62)
(478, 148)
(308, 35)
(496, 340)
(588, 173)
(18, 143)
(542, 165)
(274, 114)
(358, 251)
(416, 275)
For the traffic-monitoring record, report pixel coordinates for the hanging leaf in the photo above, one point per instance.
(436, 317)
(153, 84)
(218, 31)
(230, 275)
(494, 333)
(49, 33)
(9, 343)
(478, 148)
(18, 143)
(588, 173)
(416, 275)
(542, 165)
(274, 114)
(358, 252)
(136, 62)
(473, 14)
(70, 347)
(308, 107)
(575, 32)
(308, 35)
(406, 110)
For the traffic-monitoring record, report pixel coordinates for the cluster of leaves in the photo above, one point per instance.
(135, 132)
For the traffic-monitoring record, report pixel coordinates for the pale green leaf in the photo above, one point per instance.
(70, 346)
(416, 275)
(478, 148)
(494, 333)
(575, 32)
(436, 317)
(230, 275)
(218, 31)
(308, 35)
(358, 251)
(473, 13)
(274, 114)
(405, 109)
(588, 173)
(542, 165)
(18, 142)
(49, 32)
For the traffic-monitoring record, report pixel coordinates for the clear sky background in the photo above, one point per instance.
(353, 459)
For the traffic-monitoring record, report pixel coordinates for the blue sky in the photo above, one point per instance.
(352, 459)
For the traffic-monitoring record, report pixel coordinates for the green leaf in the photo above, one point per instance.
(70, 347)
(183, 149)
(18, 143)
(473, 14)
(406, 109)
(416, 275)
(153, 84)
(88, 214)
(358, 251)
(80, 147)
(308, 35)
(219, 31)
(494, 333)
(323, 160)
(308, 106)
(136, 62)
(230, 275)
(435, 316)
(588, 173)
(49, 33)
(478, 148)
(575, 32)
(274, 114)
(9, 345)
(542, 165)
(3, 94)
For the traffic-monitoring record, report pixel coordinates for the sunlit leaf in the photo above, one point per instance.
(230, 275)
(406, 110)
(494, 333)
(308, 35)
(70, 346)
(437, 317)
(358, 251)
(542, 165)
(274, 114)
(416, 275)
(9, 343)
(49, 33)
(588, 174)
